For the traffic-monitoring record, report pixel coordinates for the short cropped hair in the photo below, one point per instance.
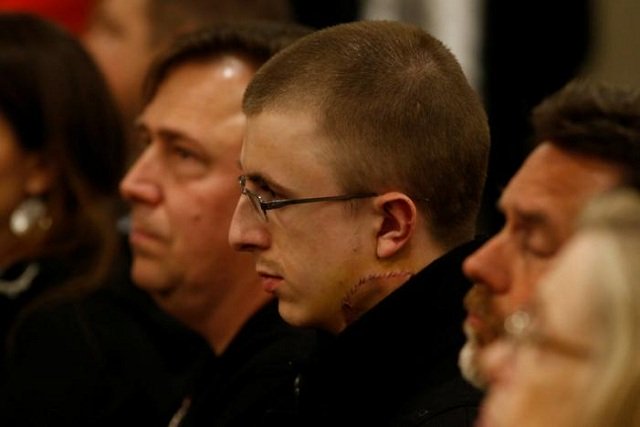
(255, 41)
(398, 111)
(594, 119)
(167, 18)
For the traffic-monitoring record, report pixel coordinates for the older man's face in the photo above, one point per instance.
(540, 205)
(183, 189)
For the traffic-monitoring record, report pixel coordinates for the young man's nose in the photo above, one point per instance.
(248, 232)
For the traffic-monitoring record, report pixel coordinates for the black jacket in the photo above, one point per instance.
(397, 364)
(107, 358)
(251, 384)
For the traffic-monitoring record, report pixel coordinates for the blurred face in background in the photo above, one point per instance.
(183, 189)
(119, 39)
(542, 371)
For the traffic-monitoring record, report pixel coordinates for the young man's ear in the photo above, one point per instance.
(398, 222)
(40, 175)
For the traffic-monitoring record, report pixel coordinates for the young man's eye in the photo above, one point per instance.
(266, 192)
(261, 187)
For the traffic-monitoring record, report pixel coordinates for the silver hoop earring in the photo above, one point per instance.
(29, 214)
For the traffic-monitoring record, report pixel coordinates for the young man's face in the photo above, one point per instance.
(183, 188)
(308, 255)
(540, 205)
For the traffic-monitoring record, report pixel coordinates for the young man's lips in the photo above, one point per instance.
(269, 282)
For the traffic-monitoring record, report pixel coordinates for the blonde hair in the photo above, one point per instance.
(614, 221)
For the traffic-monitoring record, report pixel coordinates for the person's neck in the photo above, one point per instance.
(224, 323)
(384, 278)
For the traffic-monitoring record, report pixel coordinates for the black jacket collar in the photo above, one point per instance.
(406, 344)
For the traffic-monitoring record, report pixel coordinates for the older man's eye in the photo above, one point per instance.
(536, 251)
(142, 139)
(533, 244)
(540, 247)
(183, 153)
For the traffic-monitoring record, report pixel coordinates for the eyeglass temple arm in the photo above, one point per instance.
(275, 204)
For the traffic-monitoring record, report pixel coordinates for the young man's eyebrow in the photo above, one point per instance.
(256, 178)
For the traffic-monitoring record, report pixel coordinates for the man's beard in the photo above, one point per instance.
(477, 301)
(469, 362)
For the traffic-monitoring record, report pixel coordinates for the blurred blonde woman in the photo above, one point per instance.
(571, 358)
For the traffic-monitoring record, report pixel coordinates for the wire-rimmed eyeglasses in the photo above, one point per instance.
(261, 206)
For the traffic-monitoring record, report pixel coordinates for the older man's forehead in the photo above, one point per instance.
(553, 175)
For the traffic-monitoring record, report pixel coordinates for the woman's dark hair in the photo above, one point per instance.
(58, 105)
